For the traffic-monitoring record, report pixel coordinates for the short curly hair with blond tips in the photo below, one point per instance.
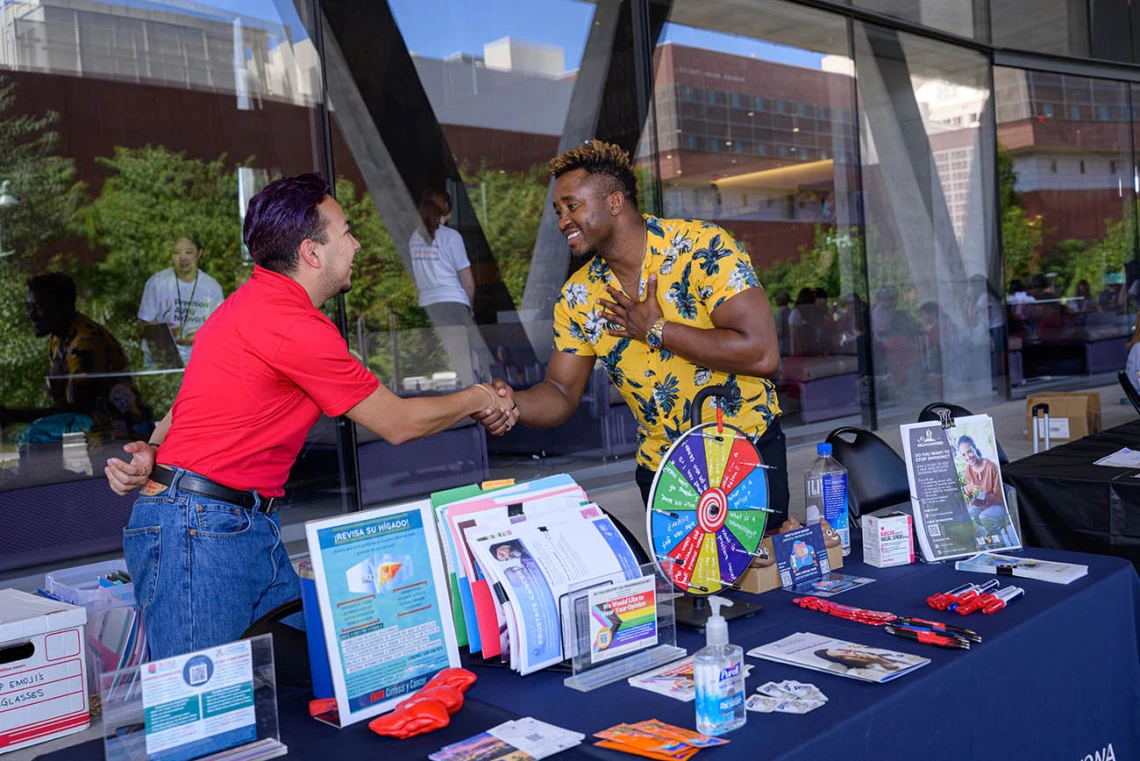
(603, 159)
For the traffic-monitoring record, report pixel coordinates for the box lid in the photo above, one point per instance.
(24, 615)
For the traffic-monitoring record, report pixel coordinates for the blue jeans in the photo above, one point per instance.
(203, 570)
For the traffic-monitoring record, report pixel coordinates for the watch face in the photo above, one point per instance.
(653, 339)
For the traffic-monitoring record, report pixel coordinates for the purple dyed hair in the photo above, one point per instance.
(282, 215)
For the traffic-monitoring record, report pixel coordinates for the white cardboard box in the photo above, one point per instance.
(888, 540)
(43, 679)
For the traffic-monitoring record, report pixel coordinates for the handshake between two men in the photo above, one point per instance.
(501, 417)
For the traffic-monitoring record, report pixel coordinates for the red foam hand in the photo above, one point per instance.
(414, 716)
(451, 697)
(460, 679)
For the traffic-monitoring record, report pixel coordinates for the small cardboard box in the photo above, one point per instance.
(43, 674)
(1072, 415)
(762, 574)
(888, 540)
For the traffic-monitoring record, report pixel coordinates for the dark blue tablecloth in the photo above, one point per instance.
(1057, 677)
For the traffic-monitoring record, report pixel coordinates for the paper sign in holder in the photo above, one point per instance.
(614, 627)
(130, 728)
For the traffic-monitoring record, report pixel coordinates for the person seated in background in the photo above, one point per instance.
(77, 346)
(850, 324)
(1113, 299)
(506, 367)
(181, 296)
(942, 340)
(806, 324)
(1043, 315)
(1082, 301)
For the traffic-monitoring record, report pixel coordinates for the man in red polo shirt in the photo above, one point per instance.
(203, 544)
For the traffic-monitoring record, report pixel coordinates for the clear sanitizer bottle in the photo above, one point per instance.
(718, 671)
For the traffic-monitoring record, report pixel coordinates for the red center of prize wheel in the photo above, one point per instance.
(712, 510)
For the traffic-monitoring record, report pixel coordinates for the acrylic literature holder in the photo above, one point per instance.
(218, 703)
(614, 628)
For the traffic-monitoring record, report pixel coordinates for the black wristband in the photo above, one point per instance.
(152, 444)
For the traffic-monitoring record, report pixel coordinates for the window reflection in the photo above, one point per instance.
(1067, 221)
(132, 136)
(756, 132)
(932, 262)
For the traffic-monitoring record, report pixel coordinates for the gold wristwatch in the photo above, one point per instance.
(655, 338)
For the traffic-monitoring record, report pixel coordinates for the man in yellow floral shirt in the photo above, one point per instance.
(668, 305)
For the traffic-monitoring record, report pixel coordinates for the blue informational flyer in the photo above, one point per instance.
(801, 555)
(383, 595)
(199, 703)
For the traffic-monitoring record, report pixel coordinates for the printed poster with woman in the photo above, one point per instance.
(956, 489)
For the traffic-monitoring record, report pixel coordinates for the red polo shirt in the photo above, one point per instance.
(265, 365)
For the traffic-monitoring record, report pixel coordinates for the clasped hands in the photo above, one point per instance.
(503, 416)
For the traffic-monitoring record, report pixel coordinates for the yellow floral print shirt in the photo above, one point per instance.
(699, 267)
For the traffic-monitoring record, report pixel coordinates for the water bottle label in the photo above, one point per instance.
(835, 505)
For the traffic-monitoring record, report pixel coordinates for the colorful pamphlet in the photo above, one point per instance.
(674, 680)
(656, 739)
(1026, 568)
(956, 491)
(801, 555)
(519, 740)
(623, 618)
(835, 656)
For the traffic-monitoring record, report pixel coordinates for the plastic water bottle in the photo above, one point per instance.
(825, 494)
(718, 674)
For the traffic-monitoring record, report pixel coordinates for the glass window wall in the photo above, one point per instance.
(776, 166)
(1068, 225)
(132, 138)
(926, 126)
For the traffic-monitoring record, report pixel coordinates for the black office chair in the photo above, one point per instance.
(929, 414)
(1129, 389)
(876, 476)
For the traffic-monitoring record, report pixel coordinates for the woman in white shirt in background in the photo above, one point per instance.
(444, 281)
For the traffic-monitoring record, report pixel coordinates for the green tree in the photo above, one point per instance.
(1021, 233)
(43, 182)
(509, 208)
(48, 195)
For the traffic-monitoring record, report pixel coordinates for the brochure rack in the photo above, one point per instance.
(135, 729)
(614, 628)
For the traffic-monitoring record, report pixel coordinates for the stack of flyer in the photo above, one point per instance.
(834, 656)
(514, 554)
(519, 740)
(1026, 568)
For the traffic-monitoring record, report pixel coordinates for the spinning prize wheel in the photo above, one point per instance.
(707, 511)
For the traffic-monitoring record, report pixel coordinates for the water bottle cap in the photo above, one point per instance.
(823, 450)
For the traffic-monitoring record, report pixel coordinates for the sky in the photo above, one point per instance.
(437, 28)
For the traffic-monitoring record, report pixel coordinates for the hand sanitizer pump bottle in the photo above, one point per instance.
(718, 671)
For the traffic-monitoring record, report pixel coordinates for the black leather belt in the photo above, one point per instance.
(207, 488)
